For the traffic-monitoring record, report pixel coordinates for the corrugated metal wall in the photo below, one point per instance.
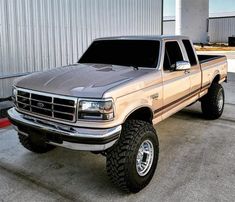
(36, 35)
(221, 28)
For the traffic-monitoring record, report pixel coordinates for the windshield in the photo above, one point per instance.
(136, 53)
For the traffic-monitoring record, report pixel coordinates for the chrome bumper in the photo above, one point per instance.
(71, 137)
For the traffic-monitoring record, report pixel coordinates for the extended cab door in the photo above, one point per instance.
(195, 70)
(176, 84)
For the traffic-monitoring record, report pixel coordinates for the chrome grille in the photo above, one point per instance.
(46, 105)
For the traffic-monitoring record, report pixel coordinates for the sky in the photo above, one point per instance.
(215, 6)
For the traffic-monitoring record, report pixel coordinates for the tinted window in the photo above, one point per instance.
(137, 53)
(172, 55)
(190, 52)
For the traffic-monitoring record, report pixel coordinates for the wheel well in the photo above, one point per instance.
(216, 79)
(144, 114)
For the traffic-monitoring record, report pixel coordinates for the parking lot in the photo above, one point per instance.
(197, 163)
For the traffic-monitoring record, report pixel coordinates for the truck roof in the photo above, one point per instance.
(144, 37)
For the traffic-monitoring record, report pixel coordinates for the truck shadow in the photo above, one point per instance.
(70, 175)
(192, 112)
(189, 113)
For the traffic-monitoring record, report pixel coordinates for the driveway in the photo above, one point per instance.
(197, 163)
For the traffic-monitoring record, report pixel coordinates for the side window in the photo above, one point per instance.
(190, 52)
(172, 55)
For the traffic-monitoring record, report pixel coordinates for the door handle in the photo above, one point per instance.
(187, 72)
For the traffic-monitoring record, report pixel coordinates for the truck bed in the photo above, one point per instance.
(211, 63)
(207, 58)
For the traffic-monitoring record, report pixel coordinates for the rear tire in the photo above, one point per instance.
(34, 147)
(212, 103)
(132, 161)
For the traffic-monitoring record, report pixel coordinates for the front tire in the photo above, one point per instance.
(132, 161)
(212, 103)
(35, 147)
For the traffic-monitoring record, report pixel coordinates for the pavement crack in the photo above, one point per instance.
(25, 176)
(227, 119)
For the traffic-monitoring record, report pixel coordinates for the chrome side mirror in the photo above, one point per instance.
(182, 65)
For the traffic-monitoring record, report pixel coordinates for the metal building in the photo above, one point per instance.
(36, 35)
(220, 26)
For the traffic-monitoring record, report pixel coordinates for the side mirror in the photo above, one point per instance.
(182, 65)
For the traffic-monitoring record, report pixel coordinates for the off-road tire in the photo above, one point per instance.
(210, 102)
(121, 158)
(34, 147)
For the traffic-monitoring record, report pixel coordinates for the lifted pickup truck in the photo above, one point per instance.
(111, 99)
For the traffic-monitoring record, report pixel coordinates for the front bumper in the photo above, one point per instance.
(71, 137)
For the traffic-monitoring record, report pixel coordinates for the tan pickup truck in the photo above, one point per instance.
(111, 99)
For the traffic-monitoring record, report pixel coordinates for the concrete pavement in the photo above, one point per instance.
(197, 163)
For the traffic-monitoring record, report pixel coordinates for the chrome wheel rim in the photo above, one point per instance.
(220, 101)
(144, 158)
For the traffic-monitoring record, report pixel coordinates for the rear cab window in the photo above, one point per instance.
(190, 52)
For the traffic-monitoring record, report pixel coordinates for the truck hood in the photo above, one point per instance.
(80, 80)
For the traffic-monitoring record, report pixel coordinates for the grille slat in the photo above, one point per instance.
(19, 96)
(64, 102)
(24, 94)
(25, 103)
(45, 109)
(47, 105)
(41, 101)
(41, 98)
(62, 112)
(51, 103)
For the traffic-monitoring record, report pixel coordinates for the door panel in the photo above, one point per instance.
(195, 71)
(195, 78)
(176, 84)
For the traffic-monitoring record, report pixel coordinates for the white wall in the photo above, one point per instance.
(191, 19)
(169, 27)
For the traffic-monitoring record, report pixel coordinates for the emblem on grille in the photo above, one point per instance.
(41, 105)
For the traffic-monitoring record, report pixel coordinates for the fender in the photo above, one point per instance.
(138, 108)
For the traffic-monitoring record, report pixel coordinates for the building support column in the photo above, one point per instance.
(192, 19)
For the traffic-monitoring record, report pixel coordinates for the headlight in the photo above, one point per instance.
(95, 110)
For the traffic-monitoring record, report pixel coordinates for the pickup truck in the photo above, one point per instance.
(110, 100)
